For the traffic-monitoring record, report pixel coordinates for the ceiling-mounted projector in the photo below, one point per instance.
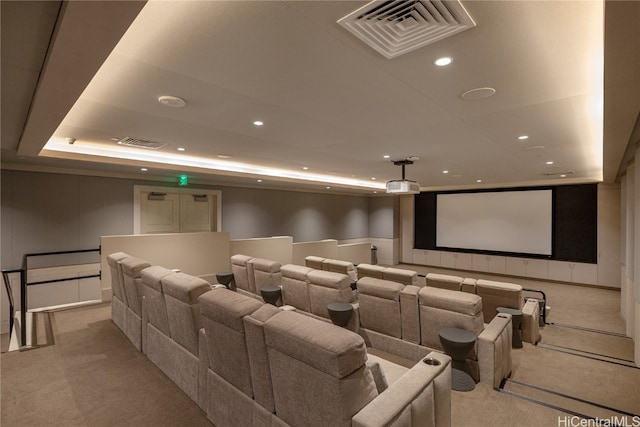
(403, 186)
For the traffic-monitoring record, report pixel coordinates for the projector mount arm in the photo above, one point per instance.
(403, 163)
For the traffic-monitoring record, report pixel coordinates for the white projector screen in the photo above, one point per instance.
(502, 221)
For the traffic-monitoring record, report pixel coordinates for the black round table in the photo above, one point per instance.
(516, 322)
(225, 278)
(340, 313)
(458, 343)
(271, 294)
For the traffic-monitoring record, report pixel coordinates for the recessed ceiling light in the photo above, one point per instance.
(478, 93)
(258, 123)
(441, 62)
(171, 101)
(445, 171)
(259, 180)
(478, 180)
(182, 149)
(563, 176)
(328, 188)
(305, 168)
(386, 156)
(549, 162)
(523, 137)
(373, 178)
(144, 169)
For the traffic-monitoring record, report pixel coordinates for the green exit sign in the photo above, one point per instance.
(183, 180)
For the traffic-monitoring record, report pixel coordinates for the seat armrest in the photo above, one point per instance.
(423, 393)
(531, 322)
(494, 350)
(410, 314)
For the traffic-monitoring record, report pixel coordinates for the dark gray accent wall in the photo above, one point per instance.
(44, 212)
(250, 213)
(52, 212)
(384, 217)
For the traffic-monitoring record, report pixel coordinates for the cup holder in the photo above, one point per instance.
(431, 361)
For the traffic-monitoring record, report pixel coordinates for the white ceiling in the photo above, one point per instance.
(328, 101)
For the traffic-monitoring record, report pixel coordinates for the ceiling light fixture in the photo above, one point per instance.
(523, 137)
(171, 101)
(58, 145)
(478, 180)
(258, 123)
(386, 156)
(182, 149)
(445, 171)
(478, 93)
(144, 169)
(549, 162)
(441, 62)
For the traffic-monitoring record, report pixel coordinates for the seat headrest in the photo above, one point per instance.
(294, 271)
(240, 259)
(496, 288)
(228, 308)
(152, 276)
(185, 287)
(456, 301)
(266, 265)
(133, 267)
(328, 279)
(380, 288)
(330, 349)
(112, 259)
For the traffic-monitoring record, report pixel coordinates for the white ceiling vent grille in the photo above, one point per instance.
(396, 27)
(141, 143)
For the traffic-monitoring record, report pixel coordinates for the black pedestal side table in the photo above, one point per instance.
(271, 294)
(516, 322)
(225, 278)
(458, 343)
(340, 313)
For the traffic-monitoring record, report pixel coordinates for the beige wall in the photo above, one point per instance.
(197, 254)
(278, 248)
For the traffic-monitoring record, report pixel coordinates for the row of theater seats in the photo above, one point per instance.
(390, 312)
(247, 363)
(494, 294)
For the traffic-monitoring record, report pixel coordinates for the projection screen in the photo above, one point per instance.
(501, 221)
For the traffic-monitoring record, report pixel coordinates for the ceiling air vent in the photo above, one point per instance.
(141, 143)
(398, 26)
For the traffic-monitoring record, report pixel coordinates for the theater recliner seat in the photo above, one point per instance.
(501, 294)
(243, 273)
(183, 361)
(266, 272)
(442, 308)
(444, 281)
(295, 286)
(135, 312)
(320, 379)
(119, 298)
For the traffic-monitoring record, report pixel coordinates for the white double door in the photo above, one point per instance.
(166, 212)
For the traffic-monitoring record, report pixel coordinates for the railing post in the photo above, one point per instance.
(23, 307)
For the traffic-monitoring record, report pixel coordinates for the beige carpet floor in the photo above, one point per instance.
(90, 375)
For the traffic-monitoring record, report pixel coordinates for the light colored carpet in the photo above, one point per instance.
(92, 375)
